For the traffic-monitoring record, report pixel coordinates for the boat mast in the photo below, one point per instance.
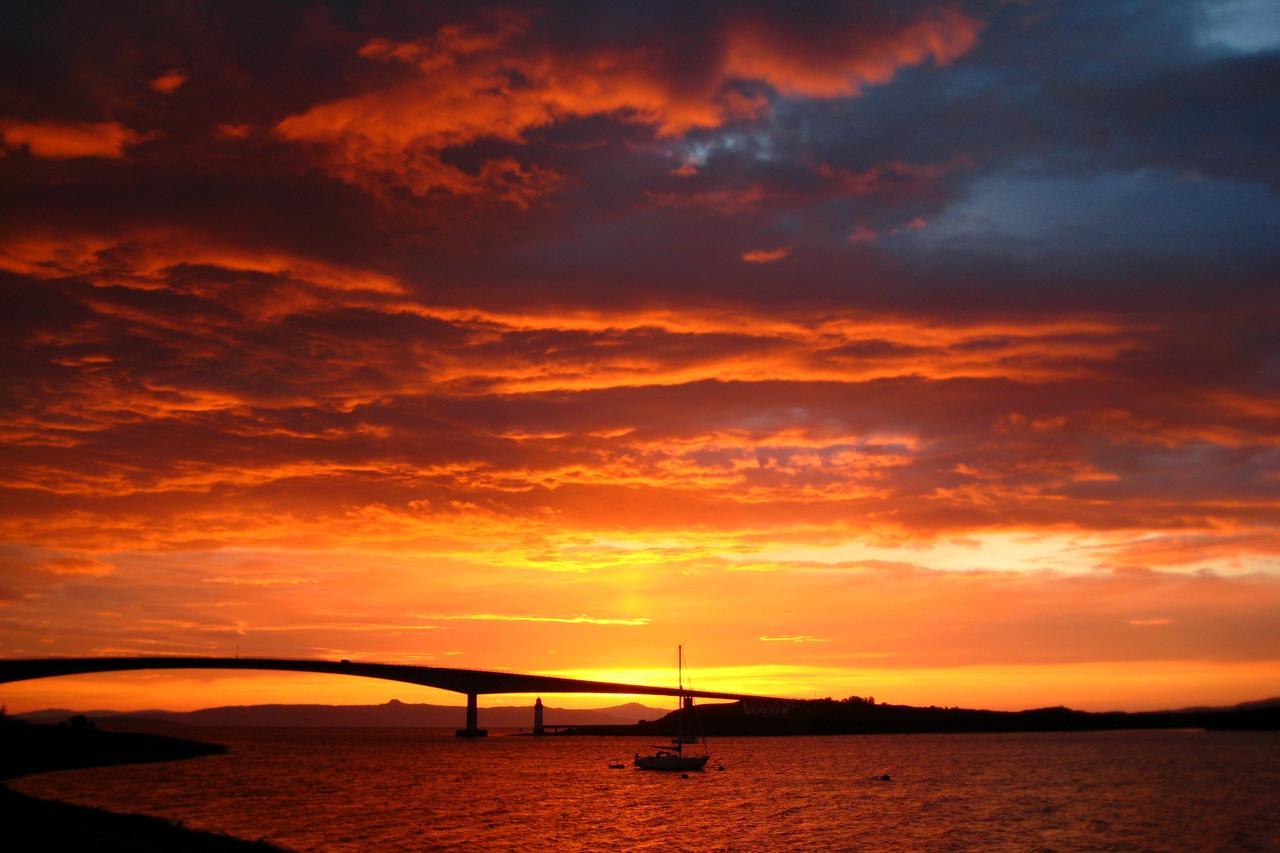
(680, 698)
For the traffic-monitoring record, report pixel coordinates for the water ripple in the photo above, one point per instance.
(344, 789)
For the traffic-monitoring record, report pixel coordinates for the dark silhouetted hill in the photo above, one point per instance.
(30, 823)
(77, 742)
(862, 716)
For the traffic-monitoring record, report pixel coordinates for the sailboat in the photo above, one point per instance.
(672, 757)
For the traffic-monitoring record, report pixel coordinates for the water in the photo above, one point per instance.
(344, 789)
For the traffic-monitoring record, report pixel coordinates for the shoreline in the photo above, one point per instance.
(857, 716)
(27, 749)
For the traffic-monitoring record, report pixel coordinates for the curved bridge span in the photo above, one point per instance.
(468, 681)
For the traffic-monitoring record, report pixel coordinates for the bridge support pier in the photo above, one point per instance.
(472, 729)
(538, 730)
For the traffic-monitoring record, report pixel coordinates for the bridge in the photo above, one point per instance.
(471, 682)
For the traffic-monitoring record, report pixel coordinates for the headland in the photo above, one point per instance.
(26, 748)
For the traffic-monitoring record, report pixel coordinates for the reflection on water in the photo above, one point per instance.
(334, 789)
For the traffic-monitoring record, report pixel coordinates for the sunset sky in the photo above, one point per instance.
(927, 351)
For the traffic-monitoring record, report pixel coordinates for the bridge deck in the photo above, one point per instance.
(470, 681)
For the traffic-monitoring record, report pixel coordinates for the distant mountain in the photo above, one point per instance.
(1273, 702)
(392, 714)
(822, 716)
(856, 715)
(1256, 705)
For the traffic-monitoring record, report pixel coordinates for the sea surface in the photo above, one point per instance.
(398, 789)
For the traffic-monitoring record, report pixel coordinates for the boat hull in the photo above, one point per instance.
(671, 762)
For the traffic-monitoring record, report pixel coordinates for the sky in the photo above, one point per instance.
(927, 351)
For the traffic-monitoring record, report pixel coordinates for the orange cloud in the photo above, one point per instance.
(566, 620)
(277, 580)
(492, 81)
(168, 82)
(766, 256)
(69, 140)
(144, 258)
(757, 50)
(863, 234)
(78, 565)
(726, 200)
(235, 131)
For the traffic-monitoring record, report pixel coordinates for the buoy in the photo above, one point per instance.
(721, 767)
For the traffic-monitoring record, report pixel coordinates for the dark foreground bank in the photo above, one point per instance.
(857, 715)
(29, 823)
